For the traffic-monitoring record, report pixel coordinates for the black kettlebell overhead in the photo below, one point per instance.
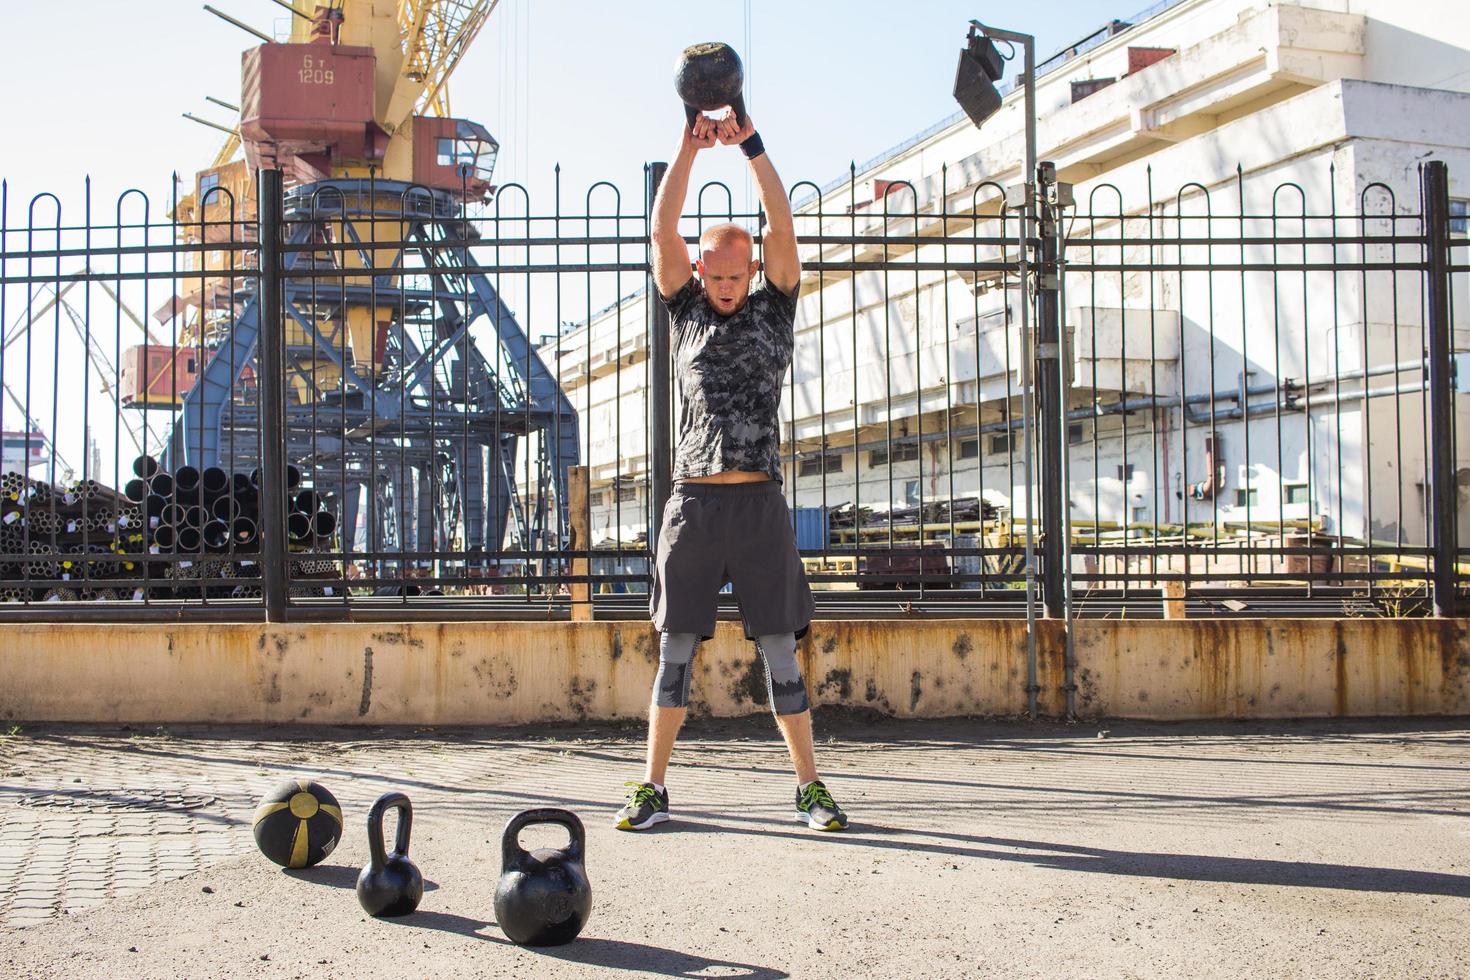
(709, 76)
(543, 898)
(390, 884)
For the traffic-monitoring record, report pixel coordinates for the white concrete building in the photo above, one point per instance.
(1209, 106)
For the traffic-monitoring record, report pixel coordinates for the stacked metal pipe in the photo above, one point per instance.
(211, 511)
(308, 520)
(214, 512)
(56, 541)
(195, 512)
(59, 533)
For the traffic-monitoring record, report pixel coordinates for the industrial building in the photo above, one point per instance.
(1207, 395)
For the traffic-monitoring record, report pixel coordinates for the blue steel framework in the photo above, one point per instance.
(429, 419)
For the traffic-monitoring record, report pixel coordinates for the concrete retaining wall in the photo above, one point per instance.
(513, 673)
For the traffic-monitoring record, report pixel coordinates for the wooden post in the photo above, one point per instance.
(580, 516)
(1174, 600)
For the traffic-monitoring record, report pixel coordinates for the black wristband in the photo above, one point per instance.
(752, 146)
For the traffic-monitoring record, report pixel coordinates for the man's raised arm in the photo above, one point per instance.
(778, 251)
(670, 254)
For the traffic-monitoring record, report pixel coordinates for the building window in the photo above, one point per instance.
(1459, 217)
(969, 448)
(1075, 433)
(1125, 473)
(210, 192)
(1000, 444)
(1245, 498)
(617, 495)
(911, 492)
(899, 452)
(1295, 493)
(820, 465)
(1082, 89)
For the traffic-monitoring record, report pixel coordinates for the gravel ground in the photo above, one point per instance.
(977, 848)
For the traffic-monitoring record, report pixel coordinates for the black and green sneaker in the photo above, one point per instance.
(646, 806)
(816, 806)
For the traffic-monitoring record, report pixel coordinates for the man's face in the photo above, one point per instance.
(727, 271)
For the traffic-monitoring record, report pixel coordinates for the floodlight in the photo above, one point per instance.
(979, 69)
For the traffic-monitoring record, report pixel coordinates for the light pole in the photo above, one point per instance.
(979, 68)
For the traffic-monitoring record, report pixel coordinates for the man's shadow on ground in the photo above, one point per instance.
(1145, 864)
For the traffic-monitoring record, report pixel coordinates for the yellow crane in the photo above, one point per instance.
(416, 46)
(393, 60)
(436, 35)
(380, 287)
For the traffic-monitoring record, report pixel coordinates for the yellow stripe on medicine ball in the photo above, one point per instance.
(298, 846)
(266, 809)
(332, 811)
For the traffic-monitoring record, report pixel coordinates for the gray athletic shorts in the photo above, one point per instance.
(713, 533)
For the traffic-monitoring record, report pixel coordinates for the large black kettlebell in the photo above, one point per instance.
(390, 884)
(709, 76)
(543, 898)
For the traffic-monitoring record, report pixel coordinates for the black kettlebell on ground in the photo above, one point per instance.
(390, 884)
(543, 898)
(709, 76)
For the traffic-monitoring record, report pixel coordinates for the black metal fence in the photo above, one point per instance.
(1310, 426)
(360, 398)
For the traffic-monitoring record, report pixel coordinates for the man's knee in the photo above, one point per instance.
(784, 683)
(675, 655)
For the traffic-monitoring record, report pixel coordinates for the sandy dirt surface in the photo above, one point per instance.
(977, 849)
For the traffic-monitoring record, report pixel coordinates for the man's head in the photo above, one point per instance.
(726, 265)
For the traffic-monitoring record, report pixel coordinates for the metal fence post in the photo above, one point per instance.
(1053, 198)
(272, 404)
(1441, 405)
(660, 386)
(1052, 410)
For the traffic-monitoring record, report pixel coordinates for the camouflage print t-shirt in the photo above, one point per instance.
(729, 371)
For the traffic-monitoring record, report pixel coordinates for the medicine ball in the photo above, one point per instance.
(298, 823)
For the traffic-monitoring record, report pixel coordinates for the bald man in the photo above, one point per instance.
(727, 520)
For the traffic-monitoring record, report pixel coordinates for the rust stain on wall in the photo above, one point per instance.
(838, 683)
(398, 638)
(367, 682)
(1340, 672)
